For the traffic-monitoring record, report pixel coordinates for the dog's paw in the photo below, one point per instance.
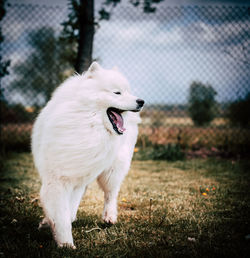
(67, 245)
(109, 218)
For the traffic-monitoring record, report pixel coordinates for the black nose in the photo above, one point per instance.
(140, 102)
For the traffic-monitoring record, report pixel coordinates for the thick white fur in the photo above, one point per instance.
(73, 143)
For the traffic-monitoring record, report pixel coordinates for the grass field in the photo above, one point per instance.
(192, 208)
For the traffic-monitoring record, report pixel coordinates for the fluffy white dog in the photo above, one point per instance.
(86, 131)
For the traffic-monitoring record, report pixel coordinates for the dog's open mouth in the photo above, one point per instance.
(116, 119)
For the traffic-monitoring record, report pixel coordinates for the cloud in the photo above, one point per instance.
(13, 31)
(162, 59)
(20, 19)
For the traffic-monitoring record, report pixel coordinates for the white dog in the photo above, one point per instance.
(86, 131)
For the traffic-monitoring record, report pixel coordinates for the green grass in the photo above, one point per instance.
(163, 212)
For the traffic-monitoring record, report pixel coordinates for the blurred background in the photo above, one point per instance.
(188, 60)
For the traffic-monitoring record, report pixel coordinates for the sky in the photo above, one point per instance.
(170, 2)
(161, 53)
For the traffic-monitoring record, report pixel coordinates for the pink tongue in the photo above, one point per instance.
(119, 121)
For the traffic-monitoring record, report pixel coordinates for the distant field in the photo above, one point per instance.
(189, 137)
(169, 130)
(194, 208)
(15, 136)
(180, 121)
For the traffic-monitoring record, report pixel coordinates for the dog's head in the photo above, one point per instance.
(112, 96)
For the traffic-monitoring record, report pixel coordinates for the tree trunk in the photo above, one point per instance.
(86, 35)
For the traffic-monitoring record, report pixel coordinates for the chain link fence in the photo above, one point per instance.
(190, 63)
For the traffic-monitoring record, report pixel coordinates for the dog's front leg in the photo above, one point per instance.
(110, 182)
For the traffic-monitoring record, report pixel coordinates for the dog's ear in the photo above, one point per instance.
(94, 67)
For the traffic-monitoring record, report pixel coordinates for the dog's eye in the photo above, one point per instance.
(117, 93)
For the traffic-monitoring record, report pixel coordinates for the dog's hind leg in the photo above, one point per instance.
(55, 200)
(75, 199)
(110, 182)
